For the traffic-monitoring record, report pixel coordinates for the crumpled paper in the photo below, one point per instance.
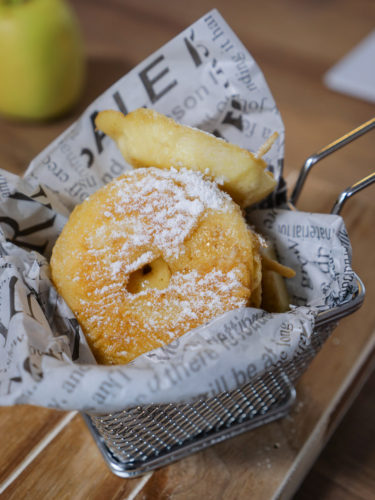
(204, 78)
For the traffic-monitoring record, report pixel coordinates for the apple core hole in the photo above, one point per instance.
(146, 269)
(155, 274)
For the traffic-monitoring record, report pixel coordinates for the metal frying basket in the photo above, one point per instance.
(137, 440)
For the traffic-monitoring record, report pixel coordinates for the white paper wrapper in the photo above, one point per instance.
(204, 78)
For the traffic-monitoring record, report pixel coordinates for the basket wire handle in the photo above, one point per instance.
(327, 150)
(348, 192)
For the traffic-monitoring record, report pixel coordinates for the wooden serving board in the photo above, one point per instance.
(48, 454)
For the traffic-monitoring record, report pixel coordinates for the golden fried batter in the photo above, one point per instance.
(150, 256)
(148, 138)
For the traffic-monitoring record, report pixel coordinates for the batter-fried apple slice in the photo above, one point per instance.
(148, 138)
(275, 296)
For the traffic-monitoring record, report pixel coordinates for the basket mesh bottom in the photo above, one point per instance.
(145, 433)
(142, 438)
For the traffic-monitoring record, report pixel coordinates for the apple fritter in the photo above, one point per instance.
(147, 138)
(275, 296)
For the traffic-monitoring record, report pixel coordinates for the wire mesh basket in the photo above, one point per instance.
(137, 440)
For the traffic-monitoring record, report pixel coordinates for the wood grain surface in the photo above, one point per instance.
(49, 454)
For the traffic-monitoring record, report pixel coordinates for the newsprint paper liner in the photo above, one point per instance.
(204, 78)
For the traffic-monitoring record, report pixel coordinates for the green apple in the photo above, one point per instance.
(41, 59)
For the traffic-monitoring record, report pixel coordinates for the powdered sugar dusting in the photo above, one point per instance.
(138, 263)
(189, 300)
(158, 210)
(144, 216)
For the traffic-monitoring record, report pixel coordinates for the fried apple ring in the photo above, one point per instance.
(150, 256)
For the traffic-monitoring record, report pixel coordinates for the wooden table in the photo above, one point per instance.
(50, 454)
